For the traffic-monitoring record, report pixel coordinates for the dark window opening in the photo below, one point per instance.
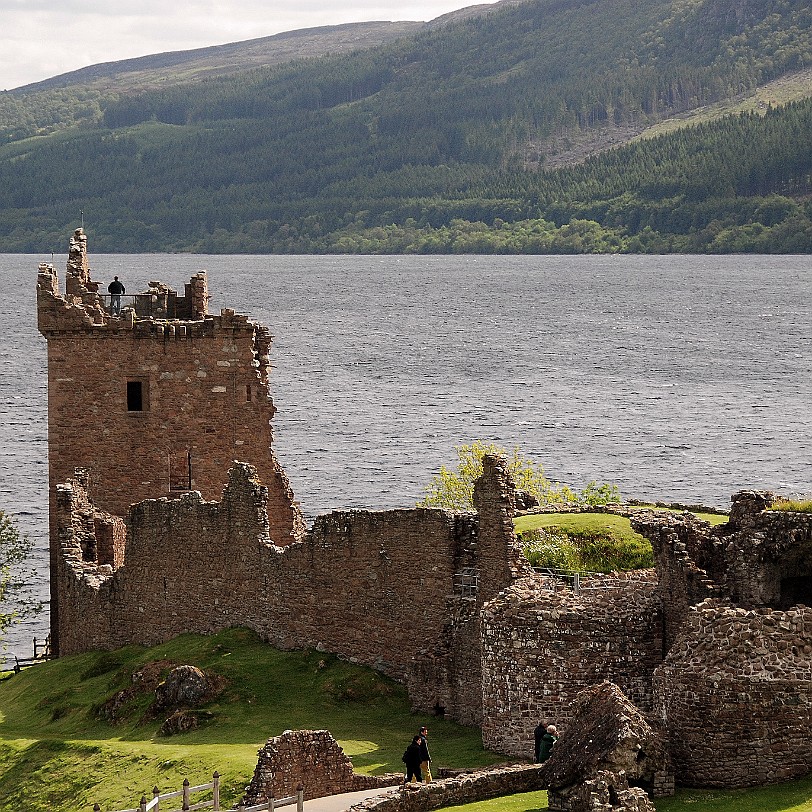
(135, 396)
(796, 590)
(248, 393)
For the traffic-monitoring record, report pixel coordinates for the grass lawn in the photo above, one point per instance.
(56, 754)
(579, 523)
(523, 802)
(793, 796)
(598, 542)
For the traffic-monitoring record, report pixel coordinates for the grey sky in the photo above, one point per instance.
(43, 38)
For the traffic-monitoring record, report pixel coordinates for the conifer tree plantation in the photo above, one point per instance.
(536, 128)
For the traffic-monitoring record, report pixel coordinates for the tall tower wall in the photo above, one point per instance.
(156, 402)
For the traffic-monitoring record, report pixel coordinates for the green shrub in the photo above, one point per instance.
(792, 505)
(454, 489)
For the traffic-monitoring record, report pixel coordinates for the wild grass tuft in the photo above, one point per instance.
(793, 505)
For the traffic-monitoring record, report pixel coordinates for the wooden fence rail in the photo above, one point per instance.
(185, 794)
(157, 797)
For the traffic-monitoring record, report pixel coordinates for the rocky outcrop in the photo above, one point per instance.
(608, 745)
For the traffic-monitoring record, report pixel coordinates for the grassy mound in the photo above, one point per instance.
(596, 542)
(62, 749)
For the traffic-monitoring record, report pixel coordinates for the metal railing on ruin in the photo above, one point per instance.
(145, 305)
(577, 581)
(159, 799)
(466, 582)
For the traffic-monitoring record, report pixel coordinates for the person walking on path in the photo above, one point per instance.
(115, 289)
(412, 758)
(545, 746)
(425, 756)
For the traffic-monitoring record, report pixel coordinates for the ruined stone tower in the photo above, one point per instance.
(156, 402)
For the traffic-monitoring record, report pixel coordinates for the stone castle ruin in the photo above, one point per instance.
(169, 513)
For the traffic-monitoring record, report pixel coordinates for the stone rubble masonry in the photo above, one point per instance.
(735, 693)
(606, 792)
(312, 759)
(606, 735)
(541, 648)
(478, 785)
(205, 400)
(681, 557)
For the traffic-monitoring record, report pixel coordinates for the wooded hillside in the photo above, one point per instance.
(441, 141)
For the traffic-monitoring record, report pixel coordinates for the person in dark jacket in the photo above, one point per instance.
(538, 733)
(115, 289)
(545, 747)
(412, 758)
(425, 756)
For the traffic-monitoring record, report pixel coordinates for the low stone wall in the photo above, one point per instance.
(475, 786)
(735, 693)
(312, 759)
(541, 648)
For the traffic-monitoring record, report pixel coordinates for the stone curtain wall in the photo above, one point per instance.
(449, 680)
(373, 587)
(541, 648)
(311, 758)
(735, 693)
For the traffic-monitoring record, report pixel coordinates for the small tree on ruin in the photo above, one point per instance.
(454, 489)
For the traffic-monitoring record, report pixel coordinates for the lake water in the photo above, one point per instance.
(677, 378)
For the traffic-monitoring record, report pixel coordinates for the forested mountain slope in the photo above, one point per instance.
(440, 142)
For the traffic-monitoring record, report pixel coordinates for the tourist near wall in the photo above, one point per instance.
(443, 602)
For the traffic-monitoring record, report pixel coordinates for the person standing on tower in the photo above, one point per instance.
(115, 289)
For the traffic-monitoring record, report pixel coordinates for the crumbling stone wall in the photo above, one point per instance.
(684, 550)
(312, 759)
(374, 587)
(448, 678)
(540, 648)
(495, 503)
(768, 554)
(735, 693)
(758, 558)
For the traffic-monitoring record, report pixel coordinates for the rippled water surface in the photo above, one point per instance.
(678, 378)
